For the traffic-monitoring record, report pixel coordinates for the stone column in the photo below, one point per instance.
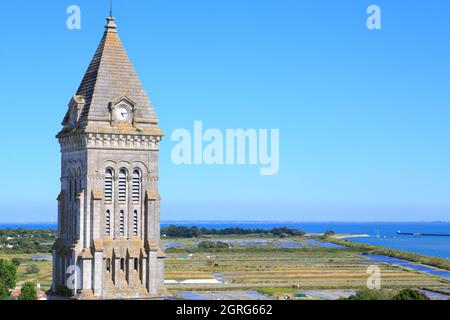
(96, 215)
(61, 271)
(152, 280)
(156, 221)
(98, 273)
(160, 264)
(130, 271)
(82, 228)
(151, 216)
(86, 263)
(60, 200)
(144, 270)
(117, 271)
(54, 271)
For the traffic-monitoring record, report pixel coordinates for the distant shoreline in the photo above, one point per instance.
(340, 235)
(190, 222)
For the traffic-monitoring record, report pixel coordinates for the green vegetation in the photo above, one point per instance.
(32, 269)
(275, 291)
(7, 278)
(410, 294)
(414, 257)
(44, 276)
(263, 266)
(28, 291)
(256, 260)
(213, 245)
(26, 241)
(16, 261)
(404, 294)
(195, 232)
(367, 294)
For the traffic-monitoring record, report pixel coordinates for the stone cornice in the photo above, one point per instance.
(134, 141)
(117, 129)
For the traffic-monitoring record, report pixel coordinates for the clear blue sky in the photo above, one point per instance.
(363, 115)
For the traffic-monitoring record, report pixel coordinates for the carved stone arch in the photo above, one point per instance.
(74, 168)
(142, 167)
(108, 164)
(125, 168)
(125, 165)
(112, 168)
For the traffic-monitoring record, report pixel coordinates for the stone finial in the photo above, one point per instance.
(111, 25)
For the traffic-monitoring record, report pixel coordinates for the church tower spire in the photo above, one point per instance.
(109, 205)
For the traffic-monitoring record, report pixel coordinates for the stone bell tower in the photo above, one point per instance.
(108, 244)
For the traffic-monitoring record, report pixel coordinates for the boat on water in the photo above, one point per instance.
(419, 234)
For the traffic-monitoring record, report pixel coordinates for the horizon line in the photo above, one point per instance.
(261, 221)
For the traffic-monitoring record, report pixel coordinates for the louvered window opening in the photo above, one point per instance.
(122, 224)
(108, 185)
(136, 186)
(122, 186)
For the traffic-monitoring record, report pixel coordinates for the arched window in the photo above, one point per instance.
(136, 186)
(108, 265)
(135, 223)
(122, 223)
(136, 264)
(122, 185)
(122, 264)
(108, 185)
(108, 223)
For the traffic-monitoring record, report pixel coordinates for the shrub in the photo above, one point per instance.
(213, 245)
(7, 278)
(367, 294)
(409, 294)
(16, 261)
(32, 269)
(28, 291)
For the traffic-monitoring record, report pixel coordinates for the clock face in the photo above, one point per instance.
(122, 113)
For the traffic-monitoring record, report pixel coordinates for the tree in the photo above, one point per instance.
(16, 261)
(410, 294)
(213, 245)
(7, 278)
(367, 294)
(32, 269)
(329, 233)
(28, 291)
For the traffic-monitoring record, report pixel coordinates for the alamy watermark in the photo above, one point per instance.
(231, 147)
(374, 279)
(374, 19)
(72, 282)
(73, 22)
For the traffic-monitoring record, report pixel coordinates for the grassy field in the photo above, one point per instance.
(44, 276)
(263, 267)
(274, 271)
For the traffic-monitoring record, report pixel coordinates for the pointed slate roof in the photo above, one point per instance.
(109, 77)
